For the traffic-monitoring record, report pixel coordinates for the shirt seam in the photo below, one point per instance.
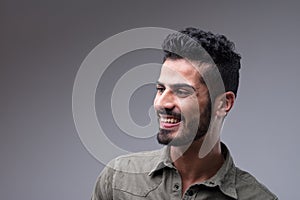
(258, 185)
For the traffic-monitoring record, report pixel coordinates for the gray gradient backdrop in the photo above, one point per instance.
(44, 42)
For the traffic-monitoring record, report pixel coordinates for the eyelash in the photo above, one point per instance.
(160, 89)
(179, 92)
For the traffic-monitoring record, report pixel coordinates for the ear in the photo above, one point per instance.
(224, 103)
(230, 99)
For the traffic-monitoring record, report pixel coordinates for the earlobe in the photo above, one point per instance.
(221, 111)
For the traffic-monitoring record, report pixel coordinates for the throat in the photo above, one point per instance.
(193, 169)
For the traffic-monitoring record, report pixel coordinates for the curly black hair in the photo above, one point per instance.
(185, 44)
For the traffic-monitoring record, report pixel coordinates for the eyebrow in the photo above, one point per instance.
(178, 85)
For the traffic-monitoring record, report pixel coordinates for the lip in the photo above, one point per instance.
(165, 125)
(168, 125)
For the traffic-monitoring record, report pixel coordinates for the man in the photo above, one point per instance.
(196, 89)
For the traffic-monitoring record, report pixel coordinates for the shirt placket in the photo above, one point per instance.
(189, 194)
(176, 185)
(177, 188)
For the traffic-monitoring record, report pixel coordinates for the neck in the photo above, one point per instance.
(193, 169)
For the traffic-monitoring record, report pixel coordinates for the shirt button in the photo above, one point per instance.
(176, 186)
(190, 193)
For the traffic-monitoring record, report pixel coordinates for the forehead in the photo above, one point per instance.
(180, 71)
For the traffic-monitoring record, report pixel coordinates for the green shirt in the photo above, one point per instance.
(151, 175)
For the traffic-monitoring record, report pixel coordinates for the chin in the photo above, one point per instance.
(164, 137)
(167, 137)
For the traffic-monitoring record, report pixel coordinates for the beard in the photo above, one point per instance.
(194, 130)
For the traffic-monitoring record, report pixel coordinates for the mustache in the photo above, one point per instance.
(169, 112)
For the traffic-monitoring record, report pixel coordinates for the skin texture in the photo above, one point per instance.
(181, 94)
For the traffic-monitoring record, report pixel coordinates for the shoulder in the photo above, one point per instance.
(248, 187)
(127, 175)
(141, 162)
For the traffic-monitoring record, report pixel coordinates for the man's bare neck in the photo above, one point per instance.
(191, 168)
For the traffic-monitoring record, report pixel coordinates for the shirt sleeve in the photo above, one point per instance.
(103, 187)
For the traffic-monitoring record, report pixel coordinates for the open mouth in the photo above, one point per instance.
(167, 121)
(170, 120)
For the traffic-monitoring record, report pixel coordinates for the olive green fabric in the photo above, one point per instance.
(151, 175)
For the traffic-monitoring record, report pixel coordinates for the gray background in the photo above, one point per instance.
(44, 42)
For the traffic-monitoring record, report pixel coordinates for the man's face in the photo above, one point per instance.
(182, 104)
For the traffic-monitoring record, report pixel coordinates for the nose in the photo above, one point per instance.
(164, 100)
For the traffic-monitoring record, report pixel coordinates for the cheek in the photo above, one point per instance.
(190, 108)
(203, 103)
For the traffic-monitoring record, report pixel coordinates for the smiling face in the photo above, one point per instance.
(182, 103)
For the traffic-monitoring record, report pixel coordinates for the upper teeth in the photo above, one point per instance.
(169, 120)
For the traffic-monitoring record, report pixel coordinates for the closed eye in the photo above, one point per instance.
(182, 92)
(160, 89)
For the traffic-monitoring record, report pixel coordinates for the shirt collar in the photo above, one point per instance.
(226, 175)
(163, 161)
(224, 178)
